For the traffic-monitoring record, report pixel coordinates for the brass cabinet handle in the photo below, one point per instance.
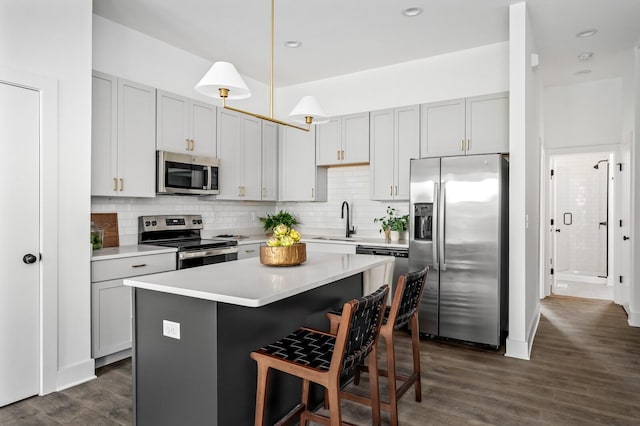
(342, 156)
(462, 145)
(193, 144)
(338, 154)
(140, 265)
(187, 141)
(115, 184)
(249, 251)
(468, 144)
(121, 184)
(312, 195)
(396, 189)
(390, 189)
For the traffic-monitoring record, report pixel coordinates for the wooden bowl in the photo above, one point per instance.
(283, 256)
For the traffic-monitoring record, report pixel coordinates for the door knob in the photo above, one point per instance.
(557, 230)
(29, 258)
(625, 238)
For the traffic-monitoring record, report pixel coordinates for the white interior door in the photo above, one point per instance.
(622, 281)
(19, 274)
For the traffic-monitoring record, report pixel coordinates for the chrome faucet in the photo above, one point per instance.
(348, 230)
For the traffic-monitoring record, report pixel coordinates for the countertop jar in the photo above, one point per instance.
(97, 235)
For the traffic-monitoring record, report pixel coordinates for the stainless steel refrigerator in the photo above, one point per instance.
(459, 228)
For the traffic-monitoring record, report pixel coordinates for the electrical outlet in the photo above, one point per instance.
(171, 329)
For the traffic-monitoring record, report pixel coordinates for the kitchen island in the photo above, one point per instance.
(195, 328)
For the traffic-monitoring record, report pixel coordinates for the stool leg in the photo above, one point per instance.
(333, 390)
(415, 344)
(374, 386)
(305, 401)
(391, 377)
(261, 392)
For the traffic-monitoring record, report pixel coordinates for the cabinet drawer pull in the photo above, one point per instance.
(338, 154)
(115, 184)
(139, 265)
(249, 251)
(121, 184)
(468, 144)
(390, 189)
(462, 145)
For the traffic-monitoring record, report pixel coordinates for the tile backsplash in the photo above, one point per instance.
(349, 184)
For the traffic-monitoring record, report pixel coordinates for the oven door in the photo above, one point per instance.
(191, 259)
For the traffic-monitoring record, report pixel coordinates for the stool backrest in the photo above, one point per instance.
(407, 297)
(359, 328)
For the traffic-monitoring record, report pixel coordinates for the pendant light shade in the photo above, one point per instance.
(308, 106)
(223, 75)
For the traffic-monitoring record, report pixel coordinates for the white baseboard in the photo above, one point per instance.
(634, 319)
(76, 374)
(521, 349)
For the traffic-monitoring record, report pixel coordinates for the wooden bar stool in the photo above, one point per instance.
(403, 310)
(322, 358)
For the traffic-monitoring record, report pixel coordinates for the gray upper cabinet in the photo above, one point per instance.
(123, 137)
(269, 161)
(185, 125)
(476, 125)
(240, 153)
(344, 140)
(299, 178)
(395, 140)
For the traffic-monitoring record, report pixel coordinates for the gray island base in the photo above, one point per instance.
(206, 377)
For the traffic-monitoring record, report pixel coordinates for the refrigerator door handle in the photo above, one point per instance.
(441, 227)
(435, 221)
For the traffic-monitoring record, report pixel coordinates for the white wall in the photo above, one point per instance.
(53, 39)
(583, 114)
(634, 302)
(524, 191)
(460, 74)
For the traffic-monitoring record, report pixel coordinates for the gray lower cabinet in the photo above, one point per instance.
(111, 308)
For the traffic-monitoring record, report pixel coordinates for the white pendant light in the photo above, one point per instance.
(308, 107)
(224, 81)
(223, 75)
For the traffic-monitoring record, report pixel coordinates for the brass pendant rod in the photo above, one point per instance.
(264, 117)
(273, 8)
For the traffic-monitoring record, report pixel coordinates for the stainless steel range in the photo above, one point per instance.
(183, 232)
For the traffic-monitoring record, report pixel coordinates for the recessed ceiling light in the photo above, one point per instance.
(412, 11)
(582, 72)
(293, 44)
(587, 33)
(585, 56)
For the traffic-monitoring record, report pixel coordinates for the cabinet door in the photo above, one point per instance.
(355, 138)
(104, 134)
(110, 317)
(443, 128)
(229, 152)
(251, 158)
(329, 142)
(382, 155)
(203, 128)
(407, 146)
(269, 161)
(136, 139)
(297, 178)
(172, 123)
(488, 124)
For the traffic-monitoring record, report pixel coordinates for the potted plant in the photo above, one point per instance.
(393, 224)
(270, 221)
(284, 247)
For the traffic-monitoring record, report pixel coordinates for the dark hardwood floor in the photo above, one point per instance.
(584, 370)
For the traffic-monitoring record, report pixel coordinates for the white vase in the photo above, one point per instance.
(394, 236)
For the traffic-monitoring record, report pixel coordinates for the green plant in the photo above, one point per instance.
(393, 221)
(270, 221)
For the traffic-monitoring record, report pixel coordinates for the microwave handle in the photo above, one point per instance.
(209, 177)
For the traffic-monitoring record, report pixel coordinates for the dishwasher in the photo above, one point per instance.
(375, 280)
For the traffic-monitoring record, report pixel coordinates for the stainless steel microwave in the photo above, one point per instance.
(187, 174)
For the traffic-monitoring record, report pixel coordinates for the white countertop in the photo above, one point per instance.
(249, 283)
(129, 251)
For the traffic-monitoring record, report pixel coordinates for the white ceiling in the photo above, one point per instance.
(345, 36)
